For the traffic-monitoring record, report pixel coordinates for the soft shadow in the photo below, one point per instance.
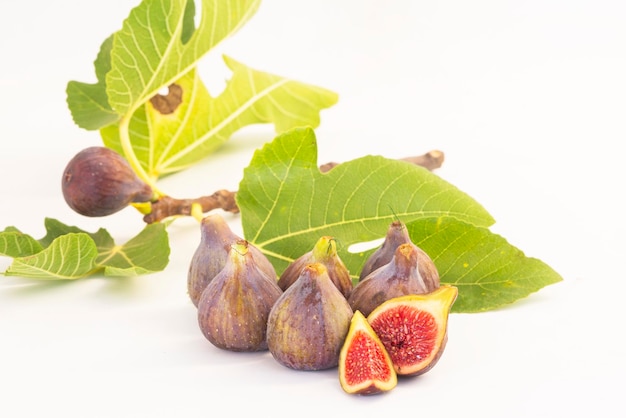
(33, 287)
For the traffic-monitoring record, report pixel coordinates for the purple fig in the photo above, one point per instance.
(309, 322)
(234, 307)
(399, 277)
(99, 182)
(397, 235)
(210, 256)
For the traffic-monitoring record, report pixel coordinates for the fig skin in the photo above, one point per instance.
(365, 367)
(308, 324)
(414, 329)
(233, 308)
(325, 252)
(99, 182)
(210, 256)
(397, 235)
(399, 277)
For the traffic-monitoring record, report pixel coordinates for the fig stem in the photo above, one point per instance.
(166, 206)
(431, 161)
(131, 157)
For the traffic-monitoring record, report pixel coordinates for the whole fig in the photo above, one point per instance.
(210, 256)
(325, 252)
(99, 182)
(309, 322)
(397, 235)
(234, 307)
(399, 277)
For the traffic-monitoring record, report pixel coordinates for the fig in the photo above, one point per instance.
(414, 329)
(99, 182)
(397, 234)
(399, 277)
(210, 256)
(325, 252)
(365, 367)
(308, 323)
(234, 307)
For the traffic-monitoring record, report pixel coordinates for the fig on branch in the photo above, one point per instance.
(365, 367)
(325, 252)
(210, 256)
(414, 329)
(397, 235)
(233, 308)
(308, 324)
(99, 182)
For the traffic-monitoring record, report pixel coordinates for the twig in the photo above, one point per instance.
(168, 206)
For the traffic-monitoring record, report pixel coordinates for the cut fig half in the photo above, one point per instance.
(414, 328)
(365, 367)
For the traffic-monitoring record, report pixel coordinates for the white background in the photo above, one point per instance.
(526, 98)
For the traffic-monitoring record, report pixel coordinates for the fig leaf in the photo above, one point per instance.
(488, 271)
(287, 203)
(158, 48)
(198, 124)
(67, 252)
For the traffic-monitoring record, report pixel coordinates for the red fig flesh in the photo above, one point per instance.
(365, 367)
(413, 328)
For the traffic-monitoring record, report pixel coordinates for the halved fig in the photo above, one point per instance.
(365, 367)
(414, 328)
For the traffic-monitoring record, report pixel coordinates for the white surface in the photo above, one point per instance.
(527, 100)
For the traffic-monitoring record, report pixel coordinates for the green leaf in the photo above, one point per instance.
(55, 229)
(158, 47)
(69, 256)
(89, 103)
(14, 243)
(149, 53)
(488, 271)
(157, 44)
(145, 253)
(68, 252)
(287, 204)
(171, 142)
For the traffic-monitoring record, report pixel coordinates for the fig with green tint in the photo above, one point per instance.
(414, 329)
(365, 367)
(308, 324)
(325, 252)
(234, 307)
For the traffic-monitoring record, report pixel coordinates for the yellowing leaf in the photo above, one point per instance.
(180, 129)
